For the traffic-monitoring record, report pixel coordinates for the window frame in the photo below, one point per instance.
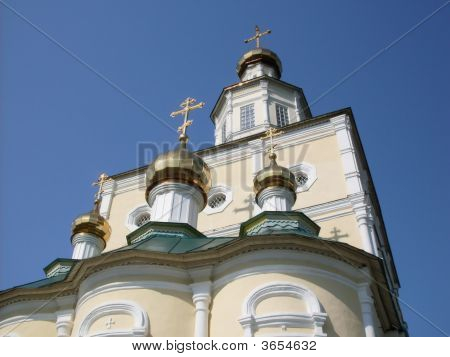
(247, 122)
(282, 115)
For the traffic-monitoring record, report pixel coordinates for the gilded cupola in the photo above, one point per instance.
(178, 181)
(90, 231)
(274, 186)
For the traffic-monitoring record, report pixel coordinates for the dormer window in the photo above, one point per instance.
(282, 115)
(247, 116)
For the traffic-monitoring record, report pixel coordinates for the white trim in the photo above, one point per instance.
(215, 190)
(132, 277)
(352, 175)
(333, 269)
(313, 317)
(331, 209)
(140, 327)
(134, 214)
(201, 297)
(64, 322)
(107, 196)
(367, 309)
(28, 318)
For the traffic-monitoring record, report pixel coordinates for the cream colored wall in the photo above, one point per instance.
(347, 230)
(325, 156)
(30, 328)
(170, 313)
(122, 204)
(330, 186)
(339, 302)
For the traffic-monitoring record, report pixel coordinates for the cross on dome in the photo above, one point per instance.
(187, 105)
(258, 35)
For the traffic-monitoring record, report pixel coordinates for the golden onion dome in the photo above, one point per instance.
(92, 223)
(262, 55)
(179, 165)
(274, 176)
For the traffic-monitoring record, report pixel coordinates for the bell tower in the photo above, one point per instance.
(260, 99)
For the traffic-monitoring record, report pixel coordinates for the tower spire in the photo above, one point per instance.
(258, 35)
(187, 105)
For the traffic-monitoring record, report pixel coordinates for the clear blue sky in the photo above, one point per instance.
(61, 124)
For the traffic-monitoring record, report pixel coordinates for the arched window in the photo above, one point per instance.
(121, 318)
(265, 314)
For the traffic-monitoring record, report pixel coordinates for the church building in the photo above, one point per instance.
(276, 230)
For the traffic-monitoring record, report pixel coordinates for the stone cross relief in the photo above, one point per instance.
(109, 323)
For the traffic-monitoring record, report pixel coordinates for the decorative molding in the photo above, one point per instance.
(333, 269)
(133, 277)
(312, 318)
(19, 319)
(141, 325)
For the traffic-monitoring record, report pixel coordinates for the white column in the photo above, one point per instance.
(367, 309)
(64, 323)
(176, 202)
(363, 220)
(201, 296)
(86, 245)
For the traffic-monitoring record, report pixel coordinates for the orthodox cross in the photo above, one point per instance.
(100, 182)
(270, 134)
(187, 105)
(336, 235)
(109, 323)
(258, 35)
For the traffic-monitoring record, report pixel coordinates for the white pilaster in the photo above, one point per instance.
(64, 323)
(363, 220)
(86, 245)
(176, 202)
(351, 172)
(367, 309)
(229, 115)
(276, 199)
(265, 102)
(201, 296)
(108, 193)
(298, 108)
